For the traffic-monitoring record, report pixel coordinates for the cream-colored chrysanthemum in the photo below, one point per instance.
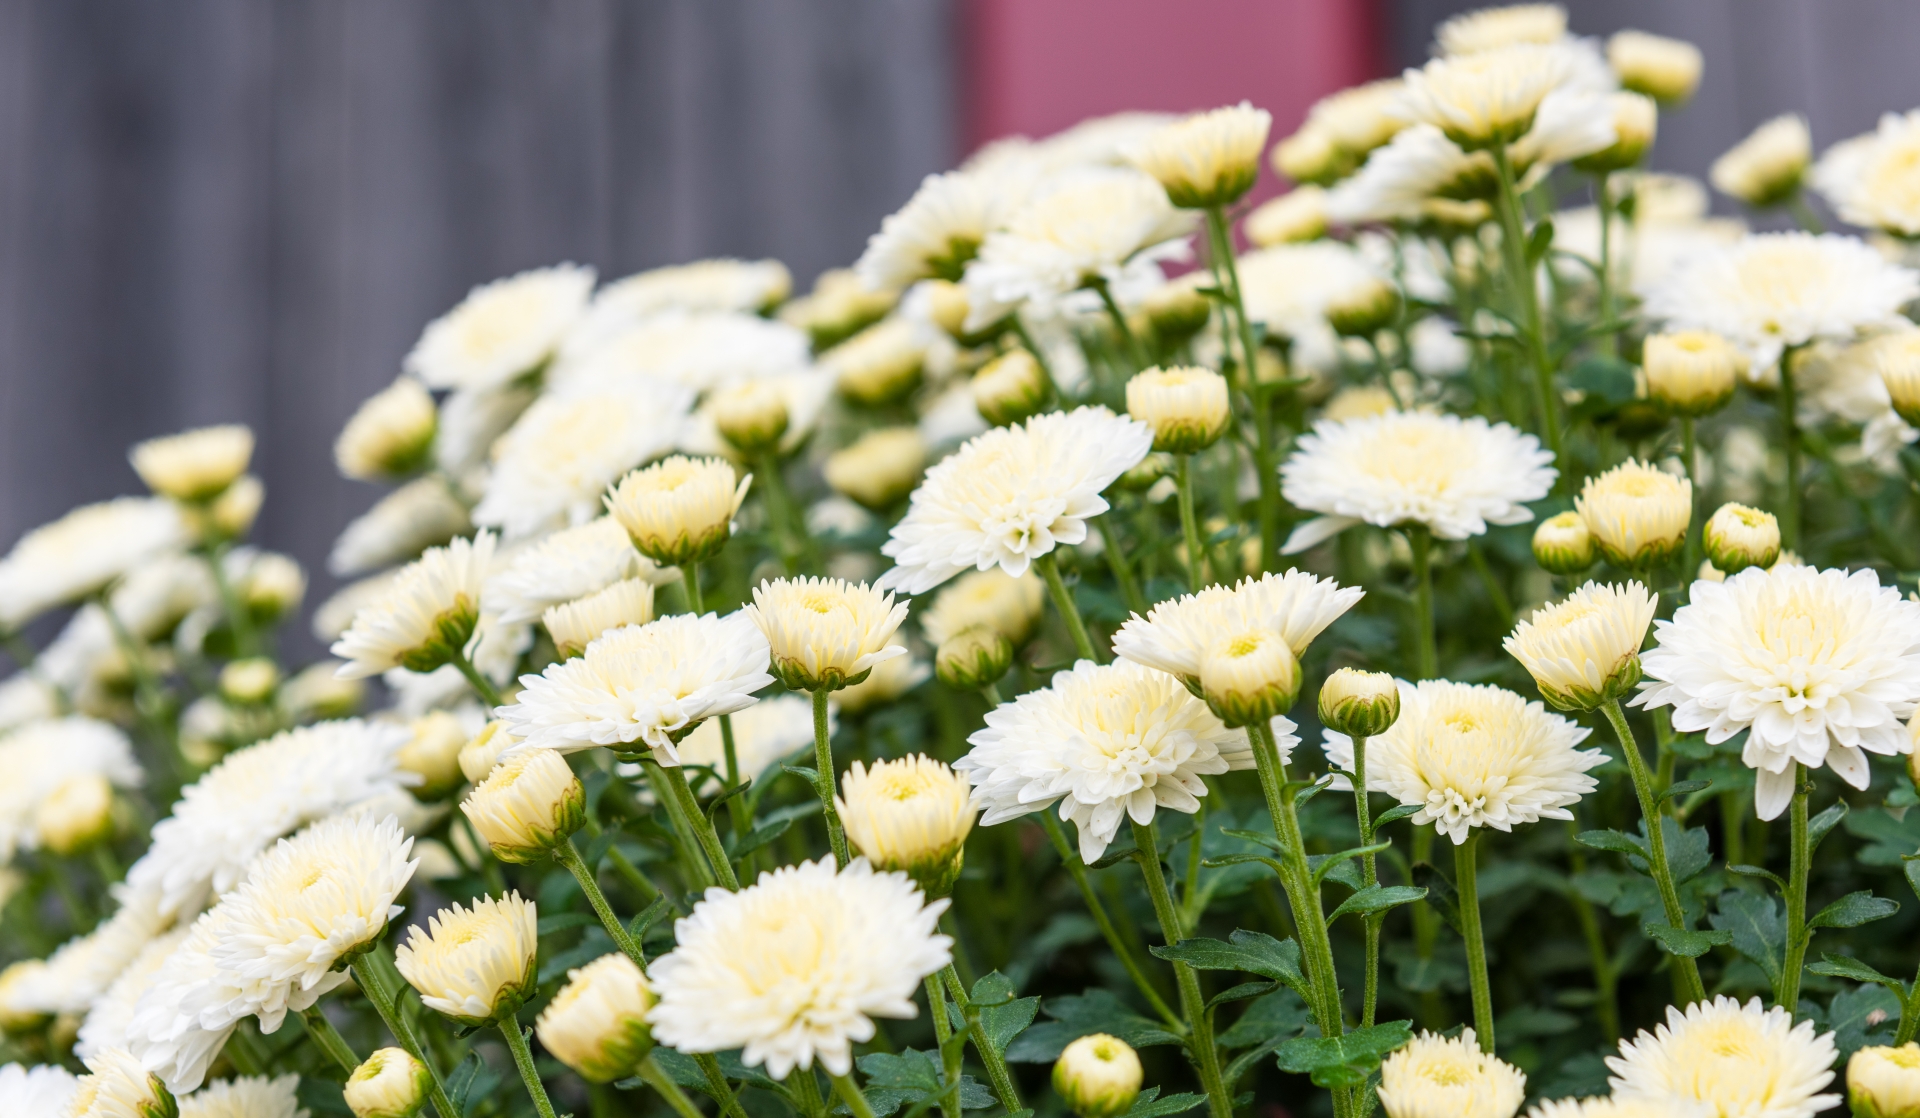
(1207, 159)
(1737, 537)
(418, 515)
(184, 1017)
(41, 1091)
(879, 468)
(42, 756)
(1475, 756)
(1488, 97)
(911, 815)
(1454, 476)
(575, 625)
(1298, 215)
(1636, 119)
(426, 616)
(824, 633)
(195, 465)
(1692, 372)
(1741, 1061)
(840, 306)
(501, 329)
(1288, 288)
(679, 510)
(1405, 179)
(1187, 407)
(1819, 667)
(597, 1023)
(1098, 1076)
(527, 806)
(1638, 514)
(1620, 1106)
(1106, 742)
(1005, 603)
(1765, 169)
(1493, 28)
(1883, 1081)
(553, 464)
(888, 681)
(390, 435)
(473, 964)
(116, 1086)
(253, 1096)
(433, 752)
(566, 566)
(644, 683)
(110, 1016)
(700, 350)
(1874, 180)
(1011, 495)
(318, 898)
(1010, 388)
(390, 1083)
(1449, 1077)
(938, 231)
(1895, 358)
(753, 415)
(1563, 544)
(795, 968)
(1667, 70)
(880, 364)
(1176, 636)
(750, 407)
(720, 284)
(76, 816)
(764, 734)
(83, 967)
(82, 552)
(1585, 650)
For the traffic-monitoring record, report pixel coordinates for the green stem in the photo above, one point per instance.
(1135, 353)
(244, 641)
(1610, 337)
(690, 581)
(1265, 458)
(1909, 1014)
(489, 694)
(1033, 347)
(1496, 595)
(1190, 523)
(568, 855)
(657, 1078)
(329, 1038)
(1227, 277)
(1465, 883)
(1803, 214)
(949, 1057)
(1426, 932)
(1369, 876)
(1790, 445)
(1071, 859)
(1798, 934)
(682, 826)
(1605, 982)
(104, 863)
(1691, 989)
(1303, 894)
(1513, 244)
(703, 832)
(1063, 601)
(370, 974)
(736, 806)
(790, 530)
(806, 1093)
(523, 1060)
(1122, 570)
(849, 1092)
(996, 1064)
(1192, 1004)
(1426, 656)
(717, 1083)
(823, 780)
(1689, 456)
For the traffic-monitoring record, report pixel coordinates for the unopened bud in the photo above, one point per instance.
(1359, 704)
(1691, 372)
(1186, 407)
(1365, 310)
(1897, 359)
(388, 1084)
(597, 1023)
(1738, 537)
(1562, 545)
(1010, 388)
(1098, 1076)
(880, 468)
(1635, 118)
(478, 756)
(973, 658)
(1250, 677)
(249, 682)
(1884, 1082)
(911, 816)
(1667, 70)
(527, 806)
(1176, 311)
(751, 416)
(947, 306)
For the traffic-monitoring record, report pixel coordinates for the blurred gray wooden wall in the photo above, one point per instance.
(246, 209)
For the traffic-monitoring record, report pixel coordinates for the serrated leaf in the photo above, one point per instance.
(1861, 1016)
(713, 806)
(1617, 842)
(805, 772)
(1121, 851)
(1330, 862)
(1242, 992)
(1267, 839)
(1344, 1060)
(1150, 1105)
(1689, 942)
(1376, 898)
(1074, 1016)
(1889, 840)
(1253, 952)
(1683, 788)
(1820, 825)
(1440, 893)
(1853, 910)
(1280, 1014)
(1757, 930)
(1002, 1015)
(1846, 966)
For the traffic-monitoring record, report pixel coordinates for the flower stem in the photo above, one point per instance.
(370, 973)
(736, 807)
(1513, 244)
(1071, 859)
(717, 1083)
(1122, 570)
(1609, 337)
(1200, 1036)
(1909, 1014)
(1369, 876)
(1190, 523)
(1798, 934)
(849, 1092)
(690, 581)
(949, 1058)
(1426, 656)
(523, 1060)
(657, 1078)
(823, 780)
(1303, 895)
(489, 694)
(1605, 983)
(329, 1038)
(1063, 601)
(1135, 352)
(568, 855)
(1689, 456)
(697, 867)
(1226, 276)
(709, 839)
(1465, 882)
(806, 1092)
(1691, 989)
(1790, 445)
(996, 1064)
(796, 547)
(244, 642)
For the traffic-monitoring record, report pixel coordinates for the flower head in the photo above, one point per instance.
(1667, 70)
(679, 510)
(1177, 636)
(1741, 1061)
(879, 468)
(1563, 544)
(1871, 180)
(1006, 603)
(1738, 537)
(502, 329)
(1475, 756)
(41, 1091)
(194, 465)
(597, 1023)
(390, 435)
(1896, 357)
(1488, 97)
(720, 284)
(473, 964)
(1455, 476)
(388, 1084)
(564, 567)
(1692, 372)
(420, 514)
(1186, 407)
(1098, 1076)
(1492, 28)
(82, 552)
(1359, 704)
(1296, 216)
(116, 1086)
(1765, 169)
(973, 658)
(794, 968)
(752, 415)
(1449, 1077)
(1585, 650)
(1104, 742)
(1884, 1081)
(1011, 495)
(253, 1096)
(109, 1019)
(45, 756)
(938, 232)
(879, 364)
(1819, 667)
(425, 617)
(825, 634)
(527, 806)
(1207, 159)
(574, 625)
(910, 815)
(1010, 388)
(1638, 514)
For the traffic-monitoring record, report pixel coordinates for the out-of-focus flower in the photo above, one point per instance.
(501, 329)
(937, 232)
(878, 365)
(82, 552)
(973, 658)
(1492, 28)
(194, 466)
(1207, 159)
(43, 756)
(888, 681)
(1008, 604)
(1487, 97)
(1667, 70)
(841, 305)
(1010, 388)
(76, 816)
(1298, 215)
(1635, 119)
(402, 524)
(41, 1091)
(879, 468)
(1187, 407)
(720, 284)
(1766, 168)
(575, 625)
(1691, 372)
(433, 753)
(425, 617)
(390, 435)
(566, 566)
(597, 1023)
(1873, 180)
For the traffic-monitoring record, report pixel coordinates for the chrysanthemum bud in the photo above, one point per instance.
(76, 816)
(479, 756)
(574, 625)
(1691, 372)
(973, 658)
(911, 815)
(597, 1023)
(824, 634)
(1309, 156)
(1585, 650)
(1359, 704)
(194, 466)
(315, 692)
(1562, 545)
(880, 467)
(1766, 168)
(1364, 310)
(272, 586)
(249, 682)
(1250, 677)
(1186, 407)
(1296, 216)
(879, 365)
(679, 510)
(1177, 310)
(1738, 537)
(1897, 359)
(751, 416)
(232, 513)
(1638, 515)
(840, 305)
(388, 1084)
(1207, 159)
(1098, 1076)
(17, 1018)
(527, 806)
(1884, 1082)
(1010, 388)
(1667, 70)
(433, 754)
(119, 1087)
(947, 306)
(1635, 117)
(475, 965)
(391, 435)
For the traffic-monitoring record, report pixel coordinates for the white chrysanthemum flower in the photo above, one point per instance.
(567, 566)
(937, 232)
(1772, 290)
(698, 349)
(1493, 28)
(25, 698)
(764, 734)
(1288, 288)
(1106, 742)
(825, 633)
(501, 329)
(553, 464)
(1637, 514)
(879, 364)
(1819, 667)
(473, 964)
(1010, 495)
(1742, 1061)
(116, 1086)
(41, 1091)
(110, 1017)
(82, 552)
(1360, 118)
(418, 515)
(679, 510)
(194, 465)
(1874, 180)
(597, 1023)
(426, 616)
(803, 395)
(527, 806)
(1475, 756)
(644, 683)
(1765, 169)
(390, 435)
(912, 814)
(254, 1096)
(1176, 635)
(259, 794)
(1454, 476)
(795, 968)
(470, 421)
(721, 284)
(83, 967)
(184, 1017)
(1449, 1077)
(878, 468)
(390, 1083)
(1667, 70)
(575, 625)
(1207, 159)
(1585, 650)
(42, 756)
(1488, 97)
(1399, 179)
(1620, 1106)
(314, 900)
(1008, 604)
(1298, 215)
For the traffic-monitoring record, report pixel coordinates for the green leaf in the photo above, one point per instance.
(1280, 1014)
(471, 1083)
(1912, 870)
(1224, 860)
(1393, 814)
(1683, 788)
(561, 921)
(1327, 864)
(1344, 1061)
(1853, 910)
(1617, 842)
(1846, 966)
(1440, 893)
(1264, 839)
(1819, 825)
(1765, 874)
(1074, 1016)
(1002, 1015)
(805, 772)
(1253, 952)
(913, 1078)
(1242, 992)
(1539, 241)
(1607, 381)
(1889, 840)
(1150, 1105)
(1376, 898)
(1123, 850)
(740, 789)
(1861, 1016)
(1757, 930)
(1692, 943)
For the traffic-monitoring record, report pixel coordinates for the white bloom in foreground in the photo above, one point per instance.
(110, 1017)
(82, 552)
(501, 329)
(1585, 650)
(1874, 180)
(116, 1086)
(426, 615)
(194, 465)
(825, 633)
(1207, 159)
(597, 1023)
(1475, 756)
(795, 968)
(184, 1017)
(1819, 667)
(420, 514)
(1007, 604)
(473, 964)
(1454, 476)
(1009, 496)
(1449, 1077)
(1105, 742)
(41, 1091)
(1175, 636)
(1765, 169)
(1741, 1061)
(643, 683)
(253, 1096)
(1493, 28)
(1771, 290)
(312, 902)
(937, 232)
(767, 732)
(527, 807)
(567, 566)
